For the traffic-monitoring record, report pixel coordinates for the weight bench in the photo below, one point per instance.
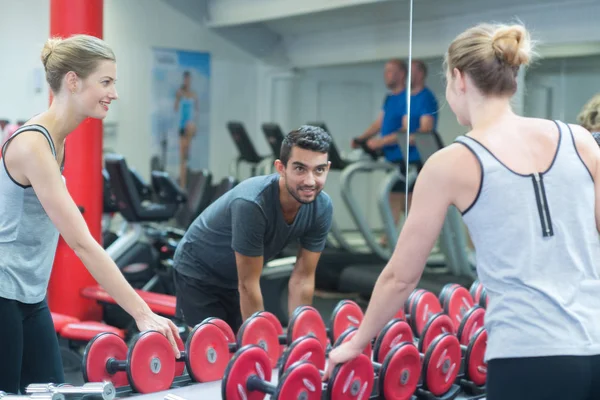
(162, 304)
(72, 329)
(74, 334)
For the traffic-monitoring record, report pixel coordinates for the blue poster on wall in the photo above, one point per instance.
(180, 111)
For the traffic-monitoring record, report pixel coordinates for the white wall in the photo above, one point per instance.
(234, 73)
(560, 88)
(233, 76)
(24, 28)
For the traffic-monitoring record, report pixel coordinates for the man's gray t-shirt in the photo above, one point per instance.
(248, 219)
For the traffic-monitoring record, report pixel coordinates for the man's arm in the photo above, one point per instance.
(248, 225)
(426, 123)
(249, 271)
(430, 110)
(301, 286)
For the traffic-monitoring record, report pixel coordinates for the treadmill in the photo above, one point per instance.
(247, 152)
(453, 241)
(361, 279)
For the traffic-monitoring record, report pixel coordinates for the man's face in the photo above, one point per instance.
(417, 77)
(393, 75)
(305, 174)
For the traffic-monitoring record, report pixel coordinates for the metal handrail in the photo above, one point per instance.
(361, 222)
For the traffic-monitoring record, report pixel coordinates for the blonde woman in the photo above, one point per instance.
(528, 190)
(36, 207)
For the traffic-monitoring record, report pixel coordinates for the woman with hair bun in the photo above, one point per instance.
(36, 207)
(529, 192)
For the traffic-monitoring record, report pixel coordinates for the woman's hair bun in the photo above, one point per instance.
(49, 48)
(512, 45)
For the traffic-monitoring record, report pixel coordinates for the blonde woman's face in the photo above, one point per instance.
(98, 90)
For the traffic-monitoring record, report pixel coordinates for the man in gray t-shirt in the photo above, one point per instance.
(219, 261)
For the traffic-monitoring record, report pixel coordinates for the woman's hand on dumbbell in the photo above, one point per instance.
(148, 321)
(343, 353)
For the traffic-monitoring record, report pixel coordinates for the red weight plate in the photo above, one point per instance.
(349, 314)
(475, 289)
(423, 307)
(277, 324)
(410, 299)
(207, 353)
(98, 351)
(307, 321)
(224, 327)
(180, 364)
(247, 361)
(396, 333)
(437, 324)
(368, 351)
(300, 381)
(305, 348)
(400, 373)
(458, 303)
(400, 315)
(261, 332)
(352, 380)
(271, 317)
(443, 296)
(151, 363)
(475, 358)
(483, 298)
(478, 293)
(473, 320)
(441, 364)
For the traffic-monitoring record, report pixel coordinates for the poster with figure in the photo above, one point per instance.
(180, 112)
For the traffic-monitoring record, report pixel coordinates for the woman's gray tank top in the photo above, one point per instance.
(537, 251)
(28, 238)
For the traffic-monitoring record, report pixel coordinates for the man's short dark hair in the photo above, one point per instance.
(306, 137)
(421, 64)
(401, 65)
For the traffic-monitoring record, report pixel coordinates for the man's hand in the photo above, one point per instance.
(375, 143)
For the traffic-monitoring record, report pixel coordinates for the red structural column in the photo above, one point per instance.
(83, 171)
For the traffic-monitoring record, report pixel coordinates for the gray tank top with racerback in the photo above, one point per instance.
(538, 251)
(28, 238)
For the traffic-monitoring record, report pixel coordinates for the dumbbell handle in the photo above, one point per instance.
(33, 396)
(182, 356)
(105, 389)
(113, 365)
(255, 383)
(282, 339)
(376, 367)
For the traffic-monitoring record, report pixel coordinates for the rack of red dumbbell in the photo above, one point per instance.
(433, 348)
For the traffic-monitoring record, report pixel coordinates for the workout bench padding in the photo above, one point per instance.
(159, 303)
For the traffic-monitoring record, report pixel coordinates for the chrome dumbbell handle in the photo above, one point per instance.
(103, 390)
(33, 396)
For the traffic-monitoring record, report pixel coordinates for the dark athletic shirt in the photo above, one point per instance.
(248, 219)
